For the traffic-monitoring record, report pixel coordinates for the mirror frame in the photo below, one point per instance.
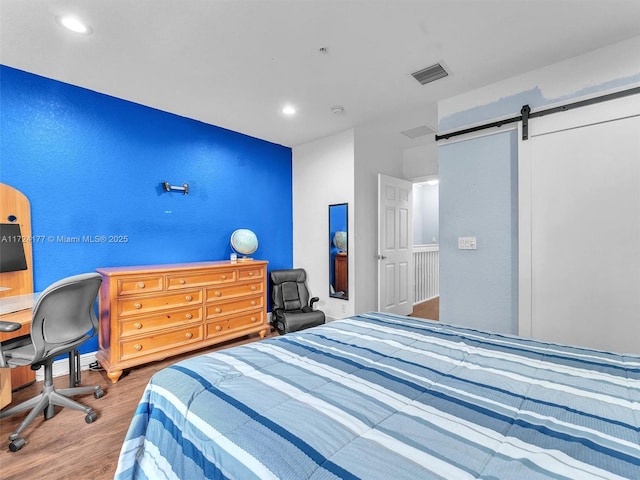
(338, 259)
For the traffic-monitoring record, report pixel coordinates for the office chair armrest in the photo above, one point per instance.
(6, 327)
(312, 301)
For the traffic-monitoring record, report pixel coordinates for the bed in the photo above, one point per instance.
(379, 396)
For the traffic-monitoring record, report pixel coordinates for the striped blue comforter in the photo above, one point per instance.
(380, 396)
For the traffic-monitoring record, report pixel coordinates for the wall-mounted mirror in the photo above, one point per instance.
(338, 251)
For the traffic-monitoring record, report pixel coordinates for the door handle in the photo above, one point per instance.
(380, 257)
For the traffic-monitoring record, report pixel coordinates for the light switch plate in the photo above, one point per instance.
(467, 243)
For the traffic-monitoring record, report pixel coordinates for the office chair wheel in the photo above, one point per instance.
(98, 393)
(49, 412)
(91, 417)
(16, 444)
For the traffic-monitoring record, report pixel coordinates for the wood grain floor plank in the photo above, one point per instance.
(429, 309)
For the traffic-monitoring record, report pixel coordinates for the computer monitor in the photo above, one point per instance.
(12, 257)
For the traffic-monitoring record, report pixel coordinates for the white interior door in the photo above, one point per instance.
(584, 191)
(395, 245)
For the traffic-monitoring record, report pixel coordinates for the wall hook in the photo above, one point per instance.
(170, 188)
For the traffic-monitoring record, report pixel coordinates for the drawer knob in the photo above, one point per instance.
(218, 310)
(137, 346)
(218, 328)
(223, 277)
(140, 284)
(253, 302)
(188, 335)
(188, 298)
(217, 293)
(188, 316)
(137, 305)
(251, 274)
(254, 319)
(182, 281)
(254, 288)
(137, 325)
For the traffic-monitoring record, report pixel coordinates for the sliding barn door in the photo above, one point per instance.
(582, 209)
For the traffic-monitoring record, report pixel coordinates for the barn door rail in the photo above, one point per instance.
(526, 114)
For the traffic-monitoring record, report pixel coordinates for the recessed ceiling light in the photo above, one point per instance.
(288, 110)
(435, 181)
(74, 24)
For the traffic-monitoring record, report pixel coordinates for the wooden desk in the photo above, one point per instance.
(18, 309)
(5, 387)
(15, 208)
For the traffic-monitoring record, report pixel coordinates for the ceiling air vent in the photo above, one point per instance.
(418, 131)
(430, 74)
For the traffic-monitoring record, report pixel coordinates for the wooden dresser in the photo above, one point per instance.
(340, 272)
(149, 313)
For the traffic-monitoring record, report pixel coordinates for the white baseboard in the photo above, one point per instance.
(61, 367)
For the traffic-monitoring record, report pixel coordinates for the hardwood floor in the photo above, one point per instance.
(429, 309)
(66, 447)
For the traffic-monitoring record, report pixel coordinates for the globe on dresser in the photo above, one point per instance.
(340, 241)
(244, 242)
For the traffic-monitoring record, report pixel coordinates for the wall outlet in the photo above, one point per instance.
(467, 243)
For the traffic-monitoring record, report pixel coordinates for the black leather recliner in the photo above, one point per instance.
(291, 307)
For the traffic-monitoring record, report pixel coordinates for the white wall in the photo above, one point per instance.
(420, 161)
(337, 169)
(375, 152)
(610, 68)
(323, 174)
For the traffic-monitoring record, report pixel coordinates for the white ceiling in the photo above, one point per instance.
(235, 63)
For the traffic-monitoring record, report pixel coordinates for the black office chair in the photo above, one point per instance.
(63, 319)
(291, 307)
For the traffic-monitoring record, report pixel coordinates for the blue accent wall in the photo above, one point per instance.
(92, 166)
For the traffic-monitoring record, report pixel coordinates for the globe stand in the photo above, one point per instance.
(244, 259)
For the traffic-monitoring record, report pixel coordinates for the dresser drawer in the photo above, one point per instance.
(151, 323)
(137, 285)
(139, 305)
(236, 323)
(219, 309)
(249, 320)
(162, 341)
(185, 280)
(232, 291)
(250, 273)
